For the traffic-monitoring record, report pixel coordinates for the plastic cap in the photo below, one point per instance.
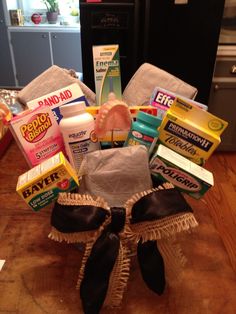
(72, 108)
(149, 118)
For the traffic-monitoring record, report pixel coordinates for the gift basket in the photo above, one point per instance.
(115, 168)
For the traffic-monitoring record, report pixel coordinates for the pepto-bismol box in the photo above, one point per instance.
(41, 185)
(169, 166)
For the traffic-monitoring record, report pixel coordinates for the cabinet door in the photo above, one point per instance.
(66, 50)
(222, 104)
(32, 54)
(7, 74)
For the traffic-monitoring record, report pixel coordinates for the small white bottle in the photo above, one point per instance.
(77, 128)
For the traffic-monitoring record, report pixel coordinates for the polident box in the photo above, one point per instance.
(169, 166)
(37, 134)
(106, 63)
(41, 185)
(191, 131)
(162, 99)
(54, 100)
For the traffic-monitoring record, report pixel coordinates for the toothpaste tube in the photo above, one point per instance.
(41, 185)
(168, 166)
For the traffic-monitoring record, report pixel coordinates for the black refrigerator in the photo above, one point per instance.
(179, 36)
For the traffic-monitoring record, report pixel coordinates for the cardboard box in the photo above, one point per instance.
(54, 100)
(169, 166)
(41, 185)
(191, 131)
(106, 61)
(37, 134)
(162, 100)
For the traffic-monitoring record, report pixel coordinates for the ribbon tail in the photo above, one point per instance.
(99, 265)
(152, 266)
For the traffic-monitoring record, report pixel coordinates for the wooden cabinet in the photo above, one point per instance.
(66, 50)
(6, 67)
(35, 51)
(222, 102)
(32, 54)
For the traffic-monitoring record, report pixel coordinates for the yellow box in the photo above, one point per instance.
(41, 185)
(191, 131)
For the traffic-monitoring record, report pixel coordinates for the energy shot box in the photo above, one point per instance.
(191, 131)
(41, 185)
(106, 63)
(162, 100)
(169, 166)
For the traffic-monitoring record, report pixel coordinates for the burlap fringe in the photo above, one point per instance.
(119, 278)
(88, 249)
(72, 237)
(81, 199)
(163, 228)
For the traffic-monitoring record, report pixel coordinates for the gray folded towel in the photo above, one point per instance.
(146, 78)
(50, 80)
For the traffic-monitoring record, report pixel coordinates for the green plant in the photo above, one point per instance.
(51, 5)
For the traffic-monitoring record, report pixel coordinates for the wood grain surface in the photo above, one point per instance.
(39, 275)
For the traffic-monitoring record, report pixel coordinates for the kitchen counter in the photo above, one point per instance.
(30, 27)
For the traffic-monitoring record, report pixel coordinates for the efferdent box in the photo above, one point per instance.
(106, 63)
(37, 134)
(169, 166)
(191, 131)
(41, 185)
(162, 100)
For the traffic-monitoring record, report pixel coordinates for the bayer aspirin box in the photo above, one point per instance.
(169, 166)
(37, 134)
(162, 99)
(41, 185)
(54, 100)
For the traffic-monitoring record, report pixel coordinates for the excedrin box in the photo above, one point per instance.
(191, 131)
(162, 100)
(41, 185)
(169, 166)
(54, 100)
(37, 134)
(106, 64)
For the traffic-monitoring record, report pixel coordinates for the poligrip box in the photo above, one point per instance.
(41, 185)
(191, 131)
(169, 166)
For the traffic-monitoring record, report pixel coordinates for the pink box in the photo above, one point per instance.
(37, 134)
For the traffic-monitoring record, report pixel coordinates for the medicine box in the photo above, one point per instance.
(169, 166)
(106, 63)
(41, 185)
(162, 100)
(54, 100)
(191, 131)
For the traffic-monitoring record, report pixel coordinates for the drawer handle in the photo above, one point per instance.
(54, 36)
(233, 69)
(216, 87)
(44, 36)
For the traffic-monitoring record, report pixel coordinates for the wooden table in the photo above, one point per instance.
(39, 275)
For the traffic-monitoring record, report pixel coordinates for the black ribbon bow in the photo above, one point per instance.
(109, 232)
